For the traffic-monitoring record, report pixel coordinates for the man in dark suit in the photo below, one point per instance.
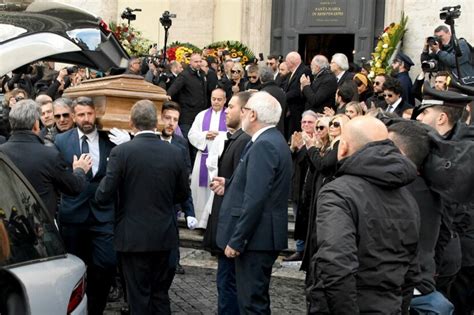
(270, 86)
(42, 166)
(86, 226)
(322, 91)
(253, 219)
(228, 162)
(170, 112)
(392, 92)
(294, 99)
(150, 177)
(401, 66)
(189, 90)
(340, 66)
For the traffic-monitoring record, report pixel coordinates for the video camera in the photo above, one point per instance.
(449, 14)
(165, 19)
(127, 14)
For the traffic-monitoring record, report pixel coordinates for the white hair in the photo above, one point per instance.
(268, 109)
(341, 61)
(321, 61)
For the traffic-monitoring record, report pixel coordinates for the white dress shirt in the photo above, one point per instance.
(93, 141)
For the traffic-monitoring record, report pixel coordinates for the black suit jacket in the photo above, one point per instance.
(149, 176)
(402, 107)
(254, 212)
(190, 91)
(294, 98)
(228, 162)
(44, 167)
(77, 209)
(277, 92)
(347, 76)
(321, 93)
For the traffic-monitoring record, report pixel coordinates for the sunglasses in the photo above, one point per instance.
(387, 95)
(320, 128)
(336, 124)
(65, 115)
(235, 71)
(19, 98)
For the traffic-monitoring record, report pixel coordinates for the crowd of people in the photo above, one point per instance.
(238, 143)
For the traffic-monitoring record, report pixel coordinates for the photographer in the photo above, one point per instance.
(163, 77)
(440, 48)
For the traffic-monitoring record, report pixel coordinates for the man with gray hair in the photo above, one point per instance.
(270, 86)
(321, 92)
(339, 66)
(147, 176)
(63, 115)
(253, 218)
(44, 167)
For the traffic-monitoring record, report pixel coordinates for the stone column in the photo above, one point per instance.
(256, 25)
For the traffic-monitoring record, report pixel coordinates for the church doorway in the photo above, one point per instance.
(310, 45)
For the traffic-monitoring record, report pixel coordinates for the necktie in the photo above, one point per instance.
(389, 108)
(246, 149)
(84, 145)
(85, 150)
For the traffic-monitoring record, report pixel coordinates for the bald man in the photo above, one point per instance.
(366, 227)
(294, 99)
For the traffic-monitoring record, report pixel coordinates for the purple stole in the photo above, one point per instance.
(206, 123)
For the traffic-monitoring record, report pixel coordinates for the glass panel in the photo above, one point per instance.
(31, 233)
(86, 38)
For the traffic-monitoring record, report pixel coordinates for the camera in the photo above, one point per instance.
(450, 13)
(127, 14)
(71, 70)
(430, 65)
(433, 40)
(165, 19)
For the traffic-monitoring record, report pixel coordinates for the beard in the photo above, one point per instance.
(86, 128)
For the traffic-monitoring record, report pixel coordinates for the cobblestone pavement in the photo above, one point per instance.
(195, 293)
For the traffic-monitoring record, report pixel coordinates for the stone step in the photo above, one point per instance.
(193, 239)
(291, 226)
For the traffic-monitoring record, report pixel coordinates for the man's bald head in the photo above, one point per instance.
(293, 60)
(358, 132)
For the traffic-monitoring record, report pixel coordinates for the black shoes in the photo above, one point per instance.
(297, 256)
(179, 269)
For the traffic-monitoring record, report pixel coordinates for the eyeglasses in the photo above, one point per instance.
(320, 128)
(388, 95)
(235, 71)
(334, 124)
(307, 122)
(65, 115)
(19, 98)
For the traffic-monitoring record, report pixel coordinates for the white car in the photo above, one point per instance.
(37, 276)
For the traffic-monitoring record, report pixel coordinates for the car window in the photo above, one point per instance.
(31, 233)
(86, 38)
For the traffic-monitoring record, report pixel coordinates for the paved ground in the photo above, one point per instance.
(195, 292)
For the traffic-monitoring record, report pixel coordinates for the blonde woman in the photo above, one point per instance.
(237, 77)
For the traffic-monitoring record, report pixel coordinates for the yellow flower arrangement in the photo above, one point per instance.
(387, 45)
(183, 54)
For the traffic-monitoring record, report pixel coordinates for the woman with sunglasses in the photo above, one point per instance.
(323, 161)
(237, 78)
(364, 87)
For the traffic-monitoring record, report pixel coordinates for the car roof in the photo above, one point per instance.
(49, 31)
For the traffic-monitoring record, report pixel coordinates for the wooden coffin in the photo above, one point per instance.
(114, 97)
